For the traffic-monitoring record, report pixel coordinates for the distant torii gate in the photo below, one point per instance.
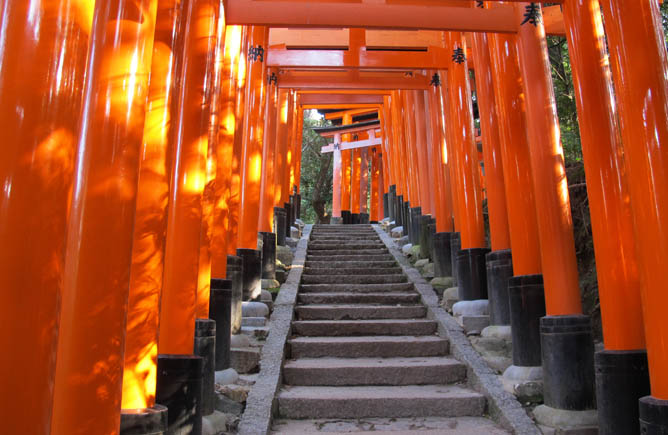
(338, 146)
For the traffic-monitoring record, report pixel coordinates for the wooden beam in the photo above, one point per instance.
(351, 80)
(354, 112)
(339, 99)
(352, 145)
(378, 15)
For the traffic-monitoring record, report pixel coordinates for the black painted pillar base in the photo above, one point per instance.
(441, 253)
(392, 203)
(148, 421)
(252, 273)
(415, 215)
(268, 255)
(472, 274)
(355, 218)
(235, 274)
(205, 347)
(288, 218)
(220, 310)
(568, 362)
(431, 232)
(526, 297)
(293, 209)
(455, 247)
(386, 205)
(425, 221)
(406, 210)
(622, 378)
(399, 212)
(280, 225)
(347, 217)
(499, 271)
(653, 416)
(179, 388)
(298, 206)
(364, 218)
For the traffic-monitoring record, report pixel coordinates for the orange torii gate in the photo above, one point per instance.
(140, 134)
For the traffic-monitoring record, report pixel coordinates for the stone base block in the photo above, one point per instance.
(478, 307)
(450, 298)
(501, 332)
(397, 232)
(259, 332)
(473, 325)
(246, 360)
(215, 423)
(567, 422)
(270, 283)
(525, 383)
(336, 221)
(406, 249)
(253, 321)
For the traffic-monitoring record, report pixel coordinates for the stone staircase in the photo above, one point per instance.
(363, 356)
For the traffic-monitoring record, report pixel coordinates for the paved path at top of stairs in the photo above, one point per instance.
(363, 357)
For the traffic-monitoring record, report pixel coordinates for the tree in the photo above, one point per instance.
(316, 178)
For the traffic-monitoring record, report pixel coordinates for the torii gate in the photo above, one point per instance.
(336, 132)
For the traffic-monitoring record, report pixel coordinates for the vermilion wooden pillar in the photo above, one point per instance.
(489, 125)
(234, 196)
(411, 148)
(253, 139)
(422, 153)
(189, 165)
(226, 169)
(355, 182)
(281, 146)
(298, 146)
(336, 182)
(214, 24)
(295, 147)
(150, 228)
(509, 97)
(642, 95)
(346, 167)
(39, 116)
(555, 225)
(399, 145)
(469, 194)
(91, 338)
(364, 181)
(375, 211)
(450, 154)
(266, 218)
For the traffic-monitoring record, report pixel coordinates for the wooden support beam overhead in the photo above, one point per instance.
(345, 100)
(378, 15)
(354, 112)
(351, 80)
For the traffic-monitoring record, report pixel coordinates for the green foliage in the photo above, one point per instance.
(316, 177)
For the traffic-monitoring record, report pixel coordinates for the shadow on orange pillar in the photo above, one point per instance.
(469, 194)
(91, 339)
(150, 228)
(555, 224)
(233, 194)
(266, 218)
(39, 121)
(225, 158)
(189, 177)
(511, 109)
(489, 125)
(253, 139)
(213, 20)
(642, 95)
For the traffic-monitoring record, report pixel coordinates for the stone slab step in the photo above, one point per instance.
(359, 298)
(373, 371)
(360, 312)
(345, 251)
(343, 271)
(390, 426)
(356, 258)
(380, 401)
(372, 347)
(357, 288)
(337, 239)
(245, 360)
(340, 328)
(354, 279)
(253, 321)
(319, 246)
(350, 264)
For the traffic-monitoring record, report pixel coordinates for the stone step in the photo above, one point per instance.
(337, 239)
(359, 312)
(343, 271)
(373, 371)
(354, 264)
(318, 246)
(380, 401)
(341, 328)
(359, 298)
(356, 258)
(390, 426)
(339, 252)
(356, 288)
(368, 347)
(354, 279)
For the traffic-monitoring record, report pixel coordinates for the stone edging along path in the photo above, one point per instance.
(502, 406)
(260, 405)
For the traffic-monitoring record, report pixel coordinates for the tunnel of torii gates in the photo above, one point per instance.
(147, 145)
